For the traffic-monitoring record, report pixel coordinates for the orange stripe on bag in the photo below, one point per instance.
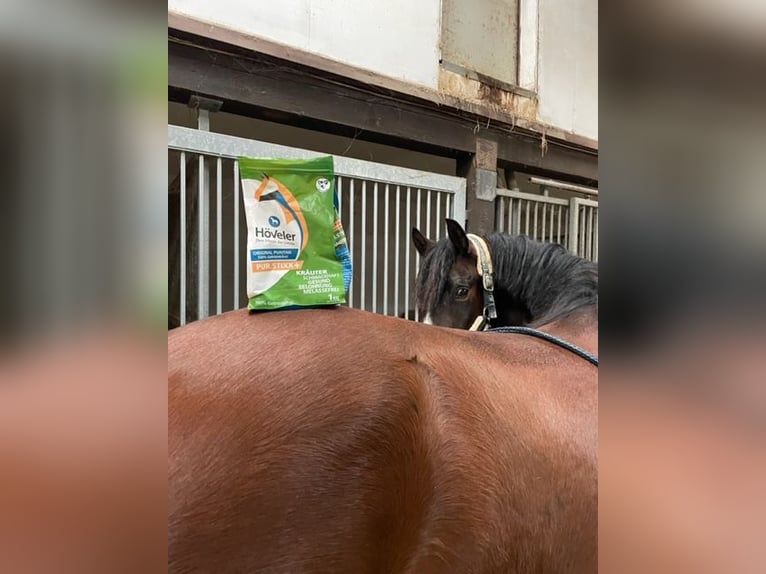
(281, 265)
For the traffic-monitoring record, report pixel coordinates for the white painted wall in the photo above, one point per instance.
(400, 39)
(396, 38)
(568, 65)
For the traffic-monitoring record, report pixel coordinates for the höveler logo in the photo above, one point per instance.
(273, 221)
(266, 233)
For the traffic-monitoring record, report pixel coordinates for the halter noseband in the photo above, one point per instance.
(487, 274)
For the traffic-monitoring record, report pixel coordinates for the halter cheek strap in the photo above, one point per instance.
(487, 274)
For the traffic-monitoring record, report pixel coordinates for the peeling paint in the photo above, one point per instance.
(516, 106)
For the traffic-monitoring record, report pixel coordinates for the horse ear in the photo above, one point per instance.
(421, 242)
(458, 237)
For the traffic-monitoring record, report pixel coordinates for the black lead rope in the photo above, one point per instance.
(590, 357)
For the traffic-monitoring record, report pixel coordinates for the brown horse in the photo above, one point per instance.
(339, 441)
(535, 284)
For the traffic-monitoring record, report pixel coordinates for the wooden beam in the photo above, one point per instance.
(480, 171)
(256, 84)
(200, 29)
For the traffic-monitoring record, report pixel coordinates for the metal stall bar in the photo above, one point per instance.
(407, 255)
(437, 234)
(351, 237)
(396, 249)
(574, 224)
(375, 244)
(417, 255)
(364, 244)
(203, 241)
(387, 206)
(236, 234)
(182, 279)
(218, 239)
(595, 239)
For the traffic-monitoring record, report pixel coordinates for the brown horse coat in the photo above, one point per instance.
(342, 441)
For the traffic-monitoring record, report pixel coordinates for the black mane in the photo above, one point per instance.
(543, 280)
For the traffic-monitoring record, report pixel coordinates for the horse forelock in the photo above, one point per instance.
(545, 277)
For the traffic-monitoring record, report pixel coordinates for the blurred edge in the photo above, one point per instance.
(83, 402)
(683, 410)
(683, 310)
(86, 217)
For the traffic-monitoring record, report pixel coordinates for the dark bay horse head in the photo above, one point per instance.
(535, 283)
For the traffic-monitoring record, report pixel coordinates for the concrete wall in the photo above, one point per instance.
(568, 65)
(396, 38)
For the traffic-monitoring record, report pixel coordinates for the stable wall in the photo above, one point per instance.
(400, 39)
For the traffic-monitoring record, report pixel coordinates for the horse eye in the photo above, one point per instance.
(461, 293)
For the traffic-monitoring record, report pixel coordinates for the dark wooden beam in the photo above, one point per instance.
(258, 85)
(480, 171)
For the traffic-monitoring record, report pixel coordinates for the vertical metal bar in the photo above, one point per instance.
(500, 214)
(534, 225)
(429, 231)
(518, 217)
(590, 233)
(351, 238)
(203, 119)
(182, 301)
(417, 255)
(375, 243)
(218, 239)
(407, 255)
(552, 224)
(595, 239)
(544, 234)
(203, 237)
(385, 254)
(510, 214)
(339, 192)
(438, 216)
(459, 202)
(398, 254)
(237, 262)
(573, 225)
(583, 229)
(526, 220)
(558, 227)
(203, 241)
(362, 294)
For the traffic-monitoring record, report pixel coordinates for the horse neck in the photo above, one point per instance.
(580, 328)
(534, 288)
(510, 310)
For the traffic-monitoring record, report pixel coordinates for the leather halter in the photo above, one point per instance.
(487, 274)
(489, 312)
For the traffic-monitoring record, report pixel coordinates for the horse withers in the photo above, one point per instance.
(337, 440)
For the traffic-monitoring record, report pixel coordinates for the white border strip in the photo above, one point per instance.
(528, 38)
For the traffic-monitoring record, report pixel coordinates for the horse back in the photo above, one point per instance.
(340, 441)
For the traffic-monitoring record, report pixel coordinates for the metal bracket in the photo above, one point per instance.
(486, 184)
(202, 103)
(204, 106)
